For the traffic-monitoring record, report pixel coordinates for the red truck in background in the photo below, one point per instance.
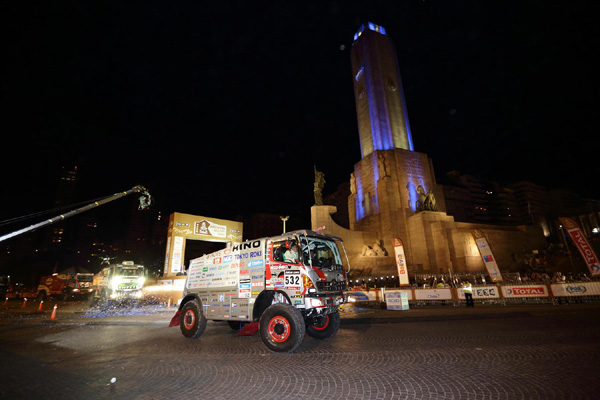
(65, 286)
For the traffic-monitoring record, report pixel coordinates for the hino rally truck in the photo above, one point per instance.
(119, 282)
(284, 286)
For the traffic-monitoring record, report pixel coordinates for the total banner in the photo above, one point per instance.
(582, 244)
(486, 255)
(400, 261)
(520, 291)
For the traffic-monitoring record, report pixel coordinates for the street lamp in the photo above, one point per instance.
(284, 219)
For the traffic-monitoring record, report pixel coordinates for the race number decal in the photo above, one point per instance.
(292, 280)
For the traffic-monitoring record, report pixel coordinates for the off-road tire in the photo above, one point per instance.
(282, 328)
(193, 322)
(324, 326)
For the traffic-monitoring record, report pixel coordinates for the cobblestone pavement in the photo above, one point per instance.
(540, 352)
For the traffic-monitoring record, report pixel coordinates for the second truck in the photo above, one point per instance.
(119, 282)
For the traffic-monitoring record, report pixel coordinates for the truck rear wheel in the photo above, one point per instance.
(323, 326)
(193, 322)
(282, 328)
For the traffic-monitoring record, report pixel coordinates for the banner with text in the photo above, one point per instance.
(400, 261)
(486, 255)
(582, 244)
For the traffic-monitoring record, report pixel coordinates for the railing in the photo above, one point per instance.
(502, 294)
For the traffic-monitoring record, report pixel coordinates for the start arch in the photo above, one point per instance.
(195, 227)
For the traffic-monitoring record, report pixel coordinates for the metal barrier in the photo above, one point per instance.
(525, 293)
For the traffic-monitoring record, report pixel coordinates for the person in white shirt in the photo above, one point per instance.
(291, 255)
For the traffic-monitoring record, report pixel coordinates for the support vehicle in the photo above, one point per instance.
(284, 286)
(65, 286)
(119, 282)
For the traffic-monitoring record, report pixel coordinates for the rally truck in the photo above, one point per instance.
(65, 286)
(119, 282)
(282, 286)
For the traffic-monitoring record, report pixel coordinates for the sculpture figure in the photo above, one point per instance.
(425, 201)
(319, 183)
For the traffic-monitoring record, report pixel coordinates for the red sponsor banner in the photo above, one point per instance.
(582, 244)
(525, 291)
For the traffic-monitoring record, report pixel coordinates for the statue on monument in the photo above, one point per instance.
(426, 201)
(352, 183)
(319, 183)
(376, 251)
(382, 165)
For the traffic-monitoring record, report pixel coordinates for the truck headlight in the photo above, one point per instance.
(115, 282)
(141, 280)
(315, 302)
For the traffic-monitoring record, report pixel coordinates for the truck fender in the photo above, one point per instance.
(177, 317)
(264, 300)
(187, 298)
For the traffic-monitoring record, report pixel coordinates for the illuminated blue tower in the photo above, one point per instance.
(380, 104)
(386, 181)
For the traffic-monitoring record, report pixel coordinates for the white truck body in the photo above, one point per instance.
(238, 284)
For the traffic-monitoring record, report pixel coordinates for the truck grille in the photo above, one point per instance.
(333, 286)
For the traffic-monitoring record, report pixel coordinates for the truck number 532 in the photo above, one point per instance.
(292, 280)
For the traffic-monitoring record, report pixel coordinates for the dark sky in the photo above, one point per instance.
(222, 108)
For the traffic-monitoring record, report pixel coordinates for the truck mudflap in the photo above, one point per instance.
(176, 320)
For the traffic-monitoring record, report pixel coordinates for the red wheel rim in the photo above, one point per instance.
(188, 319)
(279, 329)
(325, 324)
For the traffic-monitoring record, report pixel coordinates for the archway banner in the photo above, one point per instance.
(400, 261)
(195, 227)
(582, 244)
(487, 256)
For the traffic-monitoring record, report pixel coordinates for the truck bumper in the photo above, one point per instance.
(126, 294)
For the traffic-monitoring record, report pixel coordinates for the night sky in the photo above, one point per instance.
(222, 108)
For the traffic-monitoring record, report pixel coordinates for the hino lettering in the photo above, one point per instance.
(297, 289)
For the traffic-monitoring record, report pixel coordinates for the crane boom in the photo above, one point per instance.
(145, 201)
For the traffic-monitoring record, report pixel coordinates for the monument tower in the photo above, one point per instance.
(380, 104)
(393, 191)
(391, 177)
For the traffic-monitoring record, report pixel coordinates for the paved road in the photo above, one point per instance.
(518, 352)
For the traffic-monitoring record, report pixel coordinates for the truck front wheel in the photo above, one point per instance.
(282, 328)
(323, 326)
(193, 322)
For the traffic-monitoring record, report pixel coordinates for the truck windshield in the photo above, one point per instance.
(85, 278)
(323, 252)
(130, 272)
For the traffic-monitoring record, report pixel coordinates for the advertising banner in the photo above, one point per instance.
(400, 261)
(486, 255)
(514, 291)
(186, 226)
(433, 294)
(408, 292)
(396, 301)
(575, 289)
(482, 292)
(205, 228)
(582, 244)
